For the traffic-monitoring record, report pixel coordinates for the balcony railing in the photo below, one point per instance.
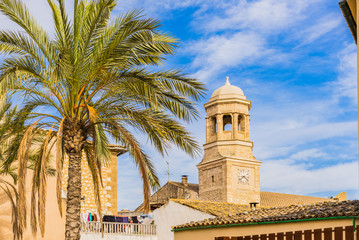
(118, 228)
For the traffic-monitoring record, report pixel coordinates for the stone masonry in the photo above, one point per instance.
(108, 193)
(228, 172)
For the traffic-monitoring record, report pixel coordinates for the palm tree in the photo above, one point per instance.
(96, 80)
(12, 131)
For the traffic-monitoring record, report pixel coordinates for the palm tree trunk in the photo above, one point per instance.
(73, 208)
(74, 140)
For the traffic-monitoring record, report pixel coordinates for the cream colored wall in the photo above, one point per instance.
(173, 214)
(55, 225)
(211, 233)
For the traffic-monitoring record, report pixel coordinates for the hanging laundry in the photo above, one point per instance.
(134, 219)
(125, 219)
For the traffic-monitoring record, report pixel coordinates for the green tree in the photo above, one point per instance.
(96, 80)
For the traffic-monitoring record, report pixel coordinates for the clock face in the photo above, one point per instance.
(243, 176)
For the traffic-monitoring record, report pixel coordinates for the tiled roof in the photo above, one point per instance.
(272, 199)
(267, 199)
(294, 212)
(191, 186)
(213, 208)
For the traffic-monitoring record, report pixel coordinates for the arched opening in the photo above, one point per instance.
(240, 125)
(214, 124)
(212, 179)
(227, 123)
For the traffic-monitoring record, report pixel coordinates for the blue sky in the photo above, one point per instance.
(295, 60)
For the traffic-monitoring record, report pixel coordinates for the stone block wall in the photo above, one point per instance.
(108, 193)
(212, 182)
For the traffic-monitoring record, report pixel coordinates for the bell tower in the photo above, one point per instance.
(228, 171)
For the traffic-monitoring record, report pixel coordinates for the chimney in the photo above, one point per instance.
(185, 180)
(253, 205)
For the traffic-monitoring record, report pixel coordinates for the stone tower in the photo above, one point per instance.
(228, 172)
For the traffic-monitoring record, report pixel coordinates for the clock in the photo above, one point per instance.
(243, 176)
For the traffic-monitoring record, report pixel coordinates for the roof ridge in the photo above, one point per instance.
(204, 201)
(293, 194)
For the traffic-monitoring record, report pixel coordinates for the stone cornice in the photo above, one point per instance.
(228, 142)
(227, 100)
(232, 159)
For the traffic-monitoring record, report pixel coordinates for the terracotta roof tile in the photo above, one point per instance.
(272, 199)
(191, 186)
(293, 212)
(213, 208)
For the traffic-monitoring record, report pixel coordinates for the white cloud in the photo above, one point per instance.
(346, 85)
(220, 52)
(323, 26)
(306, 154)
(274, 142)
(266, 16)
(310, 133)
(284, 176)
(284, 119)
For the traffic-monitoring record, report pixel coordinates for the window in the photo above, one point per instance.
(212, 179)
(240, 123)
(227, 123)
(214, 124)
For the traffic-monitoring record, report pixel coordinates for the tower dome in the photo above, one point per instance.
(228, 91)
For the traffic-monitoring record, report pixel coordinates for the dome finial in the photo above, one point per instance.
(227, 81)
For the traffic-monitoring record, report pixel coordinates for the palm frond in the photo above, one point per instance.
(11, 192)
(141, 161)
(59, 164)
(22, 161)
(19, 14)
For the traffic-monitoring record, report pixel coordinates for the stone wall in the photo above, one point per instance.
(108, 193)
(212, 177)
(170, 190)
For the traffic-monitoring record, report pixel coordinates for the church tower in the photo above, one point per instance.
(228, 172)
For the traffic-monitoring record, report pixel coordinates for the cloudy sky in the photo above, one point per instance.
(295, 60)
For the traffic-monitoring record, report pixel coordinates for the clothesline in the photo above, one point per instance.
(142, 219)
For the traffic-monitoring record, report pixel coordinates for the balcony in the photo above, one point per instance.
(117, 231)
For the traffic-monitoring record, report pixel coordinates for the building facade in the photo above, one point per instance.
(328, 221)
(228, 172)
